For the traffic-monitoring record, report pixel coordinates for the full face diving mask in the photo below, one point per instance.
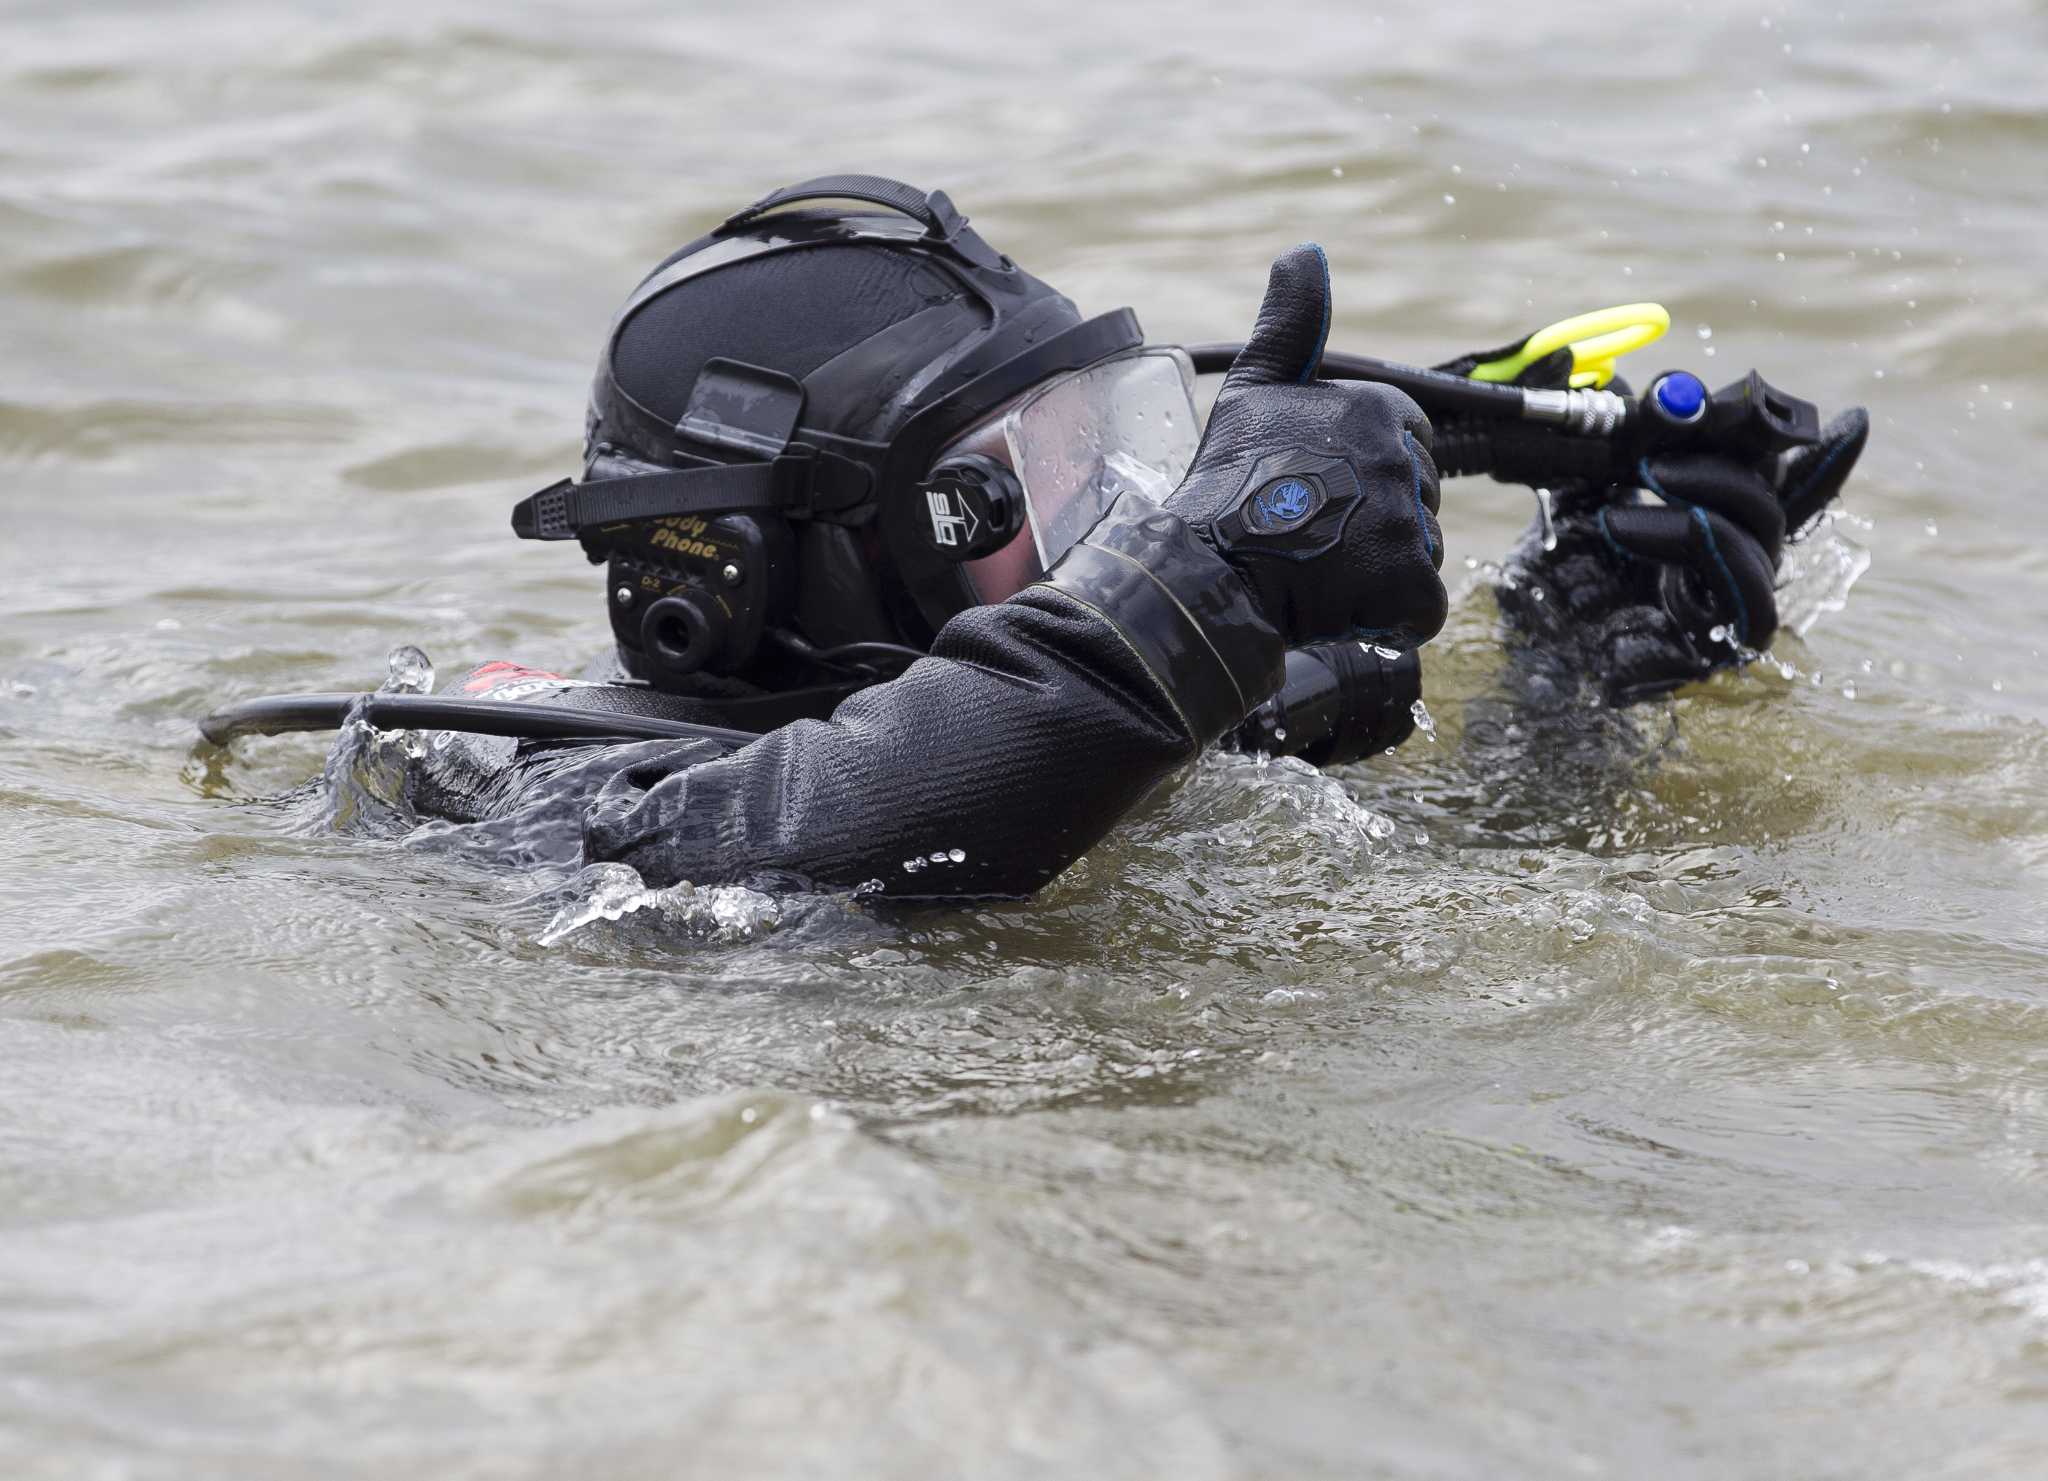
(777, 457)
(1010, 496)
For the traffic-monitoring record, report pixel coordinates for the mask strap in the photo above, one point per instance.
(802, 483)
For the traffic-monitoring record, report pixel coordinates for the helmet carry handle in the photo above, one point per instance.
(932, 210)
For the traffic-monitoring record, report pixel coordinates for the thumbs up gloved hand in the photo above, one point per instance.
(1321, 495)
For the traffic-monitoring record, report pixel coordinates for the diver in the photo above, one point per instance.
(919, 580)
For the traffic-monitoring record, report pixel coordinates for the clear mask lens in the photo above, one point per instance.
(1126, 424)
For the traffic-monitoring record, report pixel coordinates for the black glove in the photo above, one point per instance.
(1658, 594)
(1320, 494)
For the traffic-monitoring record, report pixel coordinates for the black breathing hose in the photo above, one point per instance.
(276, 714)
(1516, 452)
(1480, 427)
(1340, 701)
(1543, 435)
(865, 653)
(1435, 391)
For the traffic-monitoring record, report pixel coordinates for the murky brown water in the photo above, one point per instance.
(1504, 1110)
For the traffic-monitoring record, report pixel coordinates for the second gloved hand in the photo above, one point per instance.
(1320, 494)
(1660, 584)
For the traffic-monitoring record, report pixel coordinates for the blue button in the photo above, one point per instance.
(1681, 393)
(1283, 505)
(1287, 501)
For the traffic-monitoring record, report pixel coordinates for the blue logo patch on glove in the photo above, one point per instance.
(1284, 504)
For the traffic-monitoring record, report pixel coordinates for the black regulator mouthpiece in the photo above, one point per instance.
(1338, 703)
(1750, 418)
(1603, 436)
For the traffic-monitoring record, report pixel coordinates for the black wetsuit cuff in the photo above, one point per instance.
(1180, 606)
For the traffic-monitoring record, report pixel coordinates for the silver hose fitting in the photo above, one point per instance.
(1582, 413)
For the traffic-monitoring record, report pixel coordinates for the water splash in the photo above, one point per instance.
(1288, 794)
(1817, 575)
(611, 892)
(407, 670)
(1424, 721)
(363, 781)
(1546, 512)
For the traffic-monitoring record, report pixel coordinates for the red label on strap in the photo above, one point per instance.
(493, 676)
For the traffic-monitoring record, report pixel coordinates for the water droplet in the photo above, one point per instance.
(1931, 528)
(1544, 512)
(1449, 199)
(1849, 690)
(1424, 722)
(957, 855)
(938, 856)
(1337, 172)
(1705, 331)
(407, 671)
(1718, 633)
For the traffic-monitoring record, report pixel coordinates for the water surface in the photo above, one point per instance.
(1511, 1106)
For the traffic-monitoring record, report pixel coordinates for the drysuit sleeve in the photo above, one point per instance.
(990, 765)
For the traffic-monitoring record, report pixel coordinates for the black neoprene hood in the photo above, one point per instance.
(809, 365)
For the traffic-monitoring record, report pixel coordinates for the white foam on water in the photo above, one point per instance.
(611, 892)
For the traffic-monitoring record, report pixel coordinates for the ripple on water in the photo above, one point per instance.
(1674, 1108)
